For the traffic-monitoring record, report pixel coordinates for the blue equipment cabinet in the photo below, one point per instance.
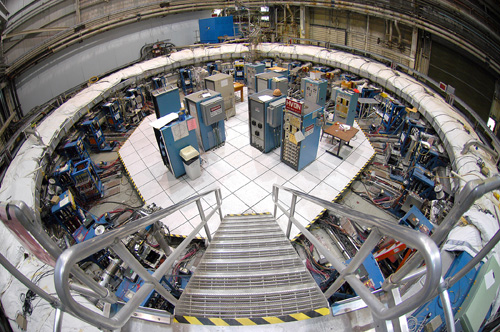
(207, 107)
(251, 70)
(265, 119)
(186, 80)
(346, 102)
(75, 149)
(314, 90)
(87, 182)
(172, 135)
(94, 136)
(159, 82)
(239, 71)
(263, 81)
(166, 101)
(67, 213)
(301, 132)
(113, 117)
(213, 28)
(211, 67)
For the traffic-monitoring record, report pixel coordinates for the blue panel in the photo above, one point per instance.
(173, 147)
(166, 101)
(214, 27)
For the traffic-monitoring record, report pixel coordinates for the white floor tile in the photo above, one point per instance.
(210, 200)
(147, 151)
(126, 149)
(268, 179)
(337, 180)
(318, 169)
(137, 136)
(251, 151)
(268, 159)
(131, 158)
(225, 150)
(135, 167)
(234, 180)
(238, 159)
(253, 169)
(231, 134)
(308, 210)
(251, 194)
(201, 182)
(305, 181)
(150, 189)
(242, 127)
(143, 177)
(209, 158)
(179, 191)
(324, 191)
(161, 200)
(141, 144)
(240, 141)
(332, 161)
(284, 171)
(219, 169)
(167, 180)
(232, 122)
(266, 205)
(182, 229)
(233, 204)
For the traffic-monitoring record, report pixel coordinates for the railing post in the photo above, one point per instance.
(58, 320)
(204, 220)
(292, 212)
(275, 198)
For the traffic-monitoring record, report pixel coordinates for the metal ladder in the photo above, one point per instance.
(250, 275)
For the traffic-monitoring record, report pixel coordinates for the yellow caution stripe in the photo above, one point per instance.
(251, 321)
(248, 214)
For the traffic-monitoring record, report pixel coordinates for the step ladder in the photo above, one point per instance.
(250, 275)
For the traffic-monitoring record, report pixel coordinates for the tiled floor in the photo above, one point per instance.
(244, 175)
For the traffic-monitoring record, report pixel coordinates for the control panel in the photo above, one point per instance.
(314, 90)
(346, 102)
(265, 114)
(301, 131)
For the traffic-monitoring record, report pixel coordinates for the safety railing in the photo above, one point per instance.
(112, 240)
(379, 228)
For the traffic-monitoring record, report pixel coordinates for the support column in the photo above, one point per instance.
(302, 21)
(413, 50)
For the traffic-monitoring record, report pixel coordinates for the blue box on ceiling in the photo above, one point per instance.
(214, 27)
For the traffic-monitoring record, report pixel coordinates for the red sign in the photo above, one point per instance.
(442, 86)
(294, 105)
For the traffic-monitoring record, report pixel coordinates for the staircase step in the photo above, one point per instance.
(254, 225)
(251, 264)
(246, 219)
(250, 305)
(257, 243)
(250, 270)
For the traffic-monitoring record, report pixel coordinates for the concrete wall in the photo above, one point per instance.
(100, 54)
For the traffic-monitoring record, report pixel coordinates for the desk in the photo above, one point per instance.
(343, 136)
(239, 87)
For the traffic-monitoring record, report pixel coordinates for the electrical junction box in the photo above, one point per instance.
(479, 299)
(207, 107)
(213, 111)
(280, 83)
(275, 113)
(263, 81)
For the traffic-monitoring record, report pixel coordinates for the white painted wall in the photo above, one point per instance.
(102, 53)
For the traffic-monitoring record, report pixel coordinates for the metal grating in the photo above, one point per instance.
(250, 270)
(249, 266)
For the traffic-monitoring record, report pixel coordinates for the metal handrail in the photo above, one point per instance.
(379, 228)
(112, 239)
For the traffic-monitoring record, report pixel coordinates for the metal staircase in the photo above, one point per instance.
(250, 275)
